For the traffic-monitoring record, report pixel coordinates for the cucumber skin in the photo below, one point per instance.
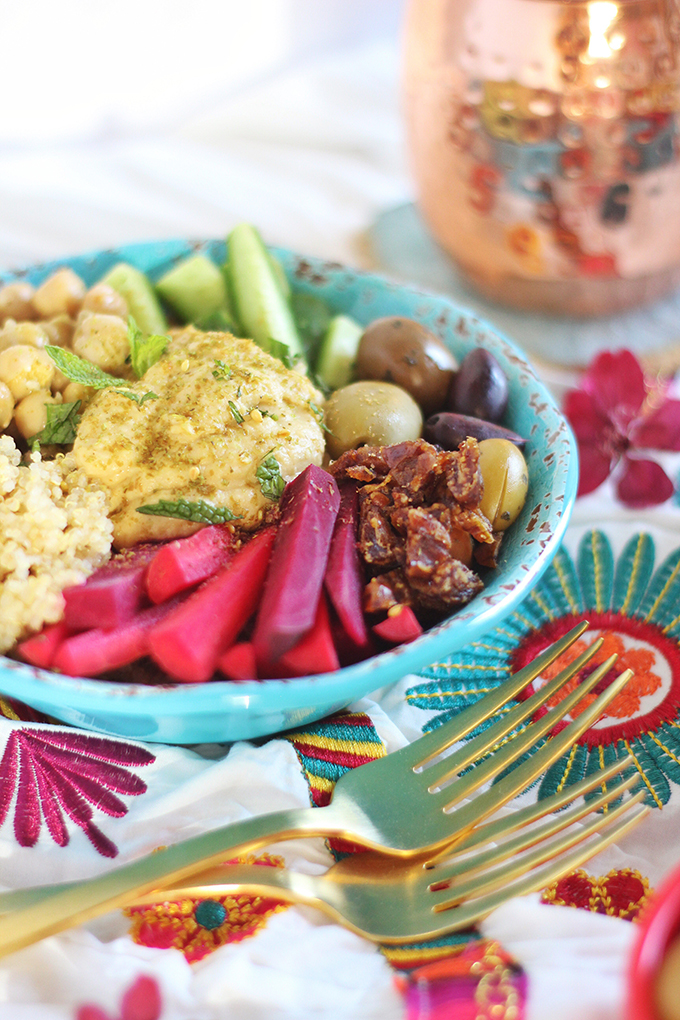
(138, 291)
(258, 301)
(338, 351)
(195, 288)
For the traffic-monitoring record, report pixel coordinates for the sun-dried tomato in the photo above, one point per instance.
(419, 523)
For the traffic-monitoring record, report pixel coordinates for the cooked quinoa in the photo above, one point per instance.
(54, 532)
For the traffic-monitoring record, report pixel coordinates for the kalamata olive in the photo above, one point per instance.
(404, 352)
(480, 387)
(370, 413)
(506, 480)
(449, 430)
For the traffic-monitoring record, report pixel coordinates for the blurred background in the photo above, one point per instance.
(146, 119)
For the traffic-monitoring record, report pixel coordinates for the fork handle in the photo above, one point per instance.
(36, 913)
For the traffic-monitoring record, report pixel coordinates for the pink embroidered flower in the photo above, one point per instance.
(56, 773)
(142, 1001)
(615, 413)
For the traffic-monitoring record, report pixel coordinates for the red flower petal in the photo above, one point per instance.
(142, 1001)
(594, 467)
(643, 483)
(659, 430)
(585, 419)
(616, 382)
(90, 1012)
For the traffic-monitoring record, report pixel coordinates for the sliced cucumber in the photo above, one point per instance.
(258, 301)
(338, 351)
(141, 298)
(312, 318)
(280, 274)
(195, 288)
(217, 322)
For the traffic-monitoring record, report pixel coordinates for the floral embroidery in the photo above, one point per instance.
(620, 893)
(142, 1001)
(480, 982)
(617, 412)
(198, 927)
(627, 703)
(18, 712)
(329, 748)
(637, 610)
(56, 772)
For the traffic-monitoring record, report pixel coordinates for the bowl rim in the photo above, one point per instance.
(350, 682)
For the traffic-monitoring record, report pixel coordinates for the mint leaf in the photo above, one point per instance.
(318, 414)
(144, 350)
(137, 397)
(221, 371)
(199, 511)
(236, 414)
(269, 476)
(60, 429)
(282, 351)
(80, 370)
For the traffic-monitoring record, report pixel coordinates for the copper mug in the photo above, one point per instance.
(545, 149)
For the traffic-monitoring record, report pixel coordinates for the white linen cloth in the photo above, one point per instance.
(311, 156)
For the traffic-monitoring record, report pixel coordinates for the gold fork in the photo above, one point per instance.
(388, 899)
(401, 804)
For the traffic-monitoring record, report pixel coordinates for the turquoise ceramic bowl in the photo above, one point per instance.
(223, 711)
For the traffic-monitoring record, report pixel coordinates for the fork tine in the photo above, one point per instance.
(492, 737)
(478, 885)
(434, 743)
(488, 802)
(462, 865)
(507, 824)
(476, 909)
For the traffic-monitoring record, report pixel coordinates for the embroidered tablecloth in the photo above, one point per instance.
(73, 803)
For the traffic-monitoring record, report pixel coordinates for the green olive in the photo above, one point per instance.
(404, 352)
(506, 480)
(370, 413)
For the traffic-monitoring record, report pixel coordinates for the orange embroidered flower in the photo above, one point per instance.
(628, 701)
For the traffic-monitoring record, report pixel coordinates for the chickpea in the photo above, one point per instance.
(31, 334)
(61, 293)
(76, 391)
(103, 340)
(16, 301)
(30, 414)
(6, 405)
(59, 330)
(59, 381)
(373, 413)
(25, 370)
(102, 298)
(506, 480)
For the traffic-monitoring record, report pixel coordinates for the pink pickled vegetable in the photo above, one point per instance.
(189, 642)
(344, 579)
(399, 626)
(238, 662)
(309, 506)
(40, 649)
(112, 594)
(180, 564)
(97, 651)
(315, 653)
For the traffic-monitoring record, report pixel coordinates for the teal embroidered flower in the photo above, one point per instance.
(636, 609)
